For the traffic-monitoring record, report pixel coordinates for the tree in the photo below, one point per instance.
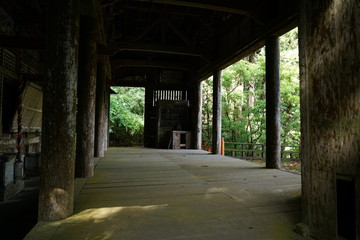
(243, 97)
(127, 115)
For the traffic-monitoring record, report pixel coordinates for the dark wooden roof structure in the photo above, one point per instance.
(185, 38)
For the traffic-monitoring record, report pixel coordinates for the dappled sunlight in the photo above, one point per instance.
(167, 196)
(99, 214)
(217, 189)
(100, 223)
(211, 191)
(278, 190)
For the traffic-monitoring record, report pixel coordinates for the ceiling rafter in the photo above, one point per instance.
(112, 49)
(158, 9)
(185, 39)
(221, 6)
(118, 63)
(148, 29)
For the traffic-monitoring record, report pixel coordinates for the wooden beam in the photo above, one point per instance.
(222, 6)
(159, 9)
(148, 29)
(106, 3)
(21, 42)
(154, 48)
(147, 84)
(239, 46)
(116, 64)
(178, 32)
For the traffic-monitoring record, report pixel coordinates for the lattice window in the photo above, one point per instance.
(25, 68)
(169, 95)
(33, 71)
(1, 57)
(8, 60)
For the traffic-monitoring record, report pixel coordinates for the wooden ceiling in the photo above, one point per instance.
(192, 38)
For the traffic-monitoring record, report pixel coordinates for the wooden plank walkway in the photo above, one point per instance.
(140, 193)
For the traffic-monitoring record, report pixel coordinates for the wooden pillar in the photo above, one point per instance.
(100, 109)
(85, 128)
(107, 116)
(59, 112)
(106, 105)
(305, 143)
(330, 118)
(273, 147)
(197, 115)
(147, 117)
(1, 102)
(216, 138)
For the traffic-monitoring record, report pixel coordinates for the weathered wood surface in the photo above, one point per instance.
(100, 109)
(85, 127)
(273, 147)
(195, 97)
(198, 116)
(59, 112)
(330, 97)
(148, 116)
(216, 138)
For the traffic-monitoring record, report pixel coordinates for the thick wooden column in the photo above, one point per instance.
(330, 118)
(85, 128)
(197, 108)
(106, 117)
(273, 147)
(216, 138)
(100, 109)
(1, 103)
(305, 143)
(147, 117)
(59, 112)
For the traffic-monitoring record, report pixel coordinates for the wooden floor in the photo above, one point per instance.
(151, 194)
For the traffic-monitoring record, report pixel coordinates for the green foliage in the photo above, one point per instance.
(127, 115)
(207, 109)
(290, 89)
(243, 97)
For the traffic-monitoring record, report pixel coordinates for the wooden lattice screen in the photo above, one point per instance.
(177, 95)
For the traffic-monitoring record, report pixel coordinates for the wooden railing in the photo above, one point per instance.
(31, 143)
(122, 144)
(258, 151)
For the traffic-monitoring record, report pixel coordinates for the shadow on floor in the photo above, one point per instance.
(19, 214)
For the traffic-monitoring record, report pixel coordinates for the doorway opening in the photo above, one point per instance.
(346, 208)
(127, 106)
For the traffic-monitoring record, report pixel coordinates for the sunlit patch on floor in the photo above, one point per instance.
(98, 214)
